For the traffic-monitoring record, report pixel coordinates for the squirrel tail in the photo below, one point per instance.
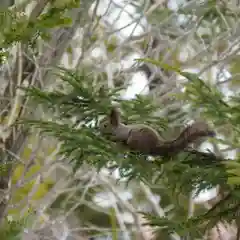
(188, 135)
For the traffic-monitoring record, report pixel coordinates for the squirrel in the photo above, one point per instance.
(144, 139)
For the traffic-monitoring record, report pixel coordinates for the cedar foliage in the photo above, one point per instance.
(183, 173)
(86, 101)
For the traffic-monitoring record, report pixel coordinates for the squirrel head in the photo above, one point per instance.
(108, 124)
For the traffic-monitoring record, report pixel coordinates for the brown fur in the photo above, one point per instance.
(144, 139)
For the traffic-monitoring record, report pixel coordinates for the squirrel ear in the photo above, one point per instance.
(115, 117)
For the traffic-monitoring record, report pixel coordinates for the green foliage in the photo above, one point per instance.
(221, 112)
(212, 102)
(114, 224)
(75, 114)
(227, 209)
(86, 103)
(11, 230)
(82, 143)
(233, 168)
(16, 26)
(20, 194)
